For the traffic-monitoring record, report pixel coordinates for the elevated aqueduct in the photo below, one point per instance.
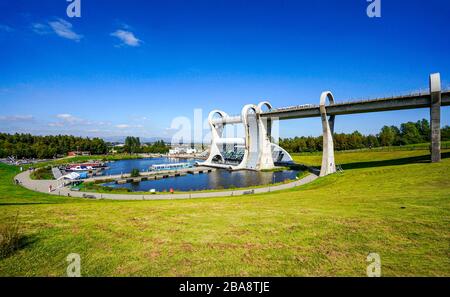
(255, 151)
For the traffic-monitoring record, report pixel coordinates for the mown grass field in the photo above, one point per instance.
(396, 204)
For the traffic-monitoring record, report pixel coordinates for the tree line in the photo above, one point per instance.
(407, 133)
(43, 147)
(133, 145)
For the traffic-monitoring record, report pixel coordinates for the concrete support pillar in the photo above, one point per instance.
(250, 123)
(328, 165)
(435, 116)
(265, 159)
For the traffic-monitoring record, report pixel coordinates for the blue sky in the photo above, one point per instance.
(130, 67)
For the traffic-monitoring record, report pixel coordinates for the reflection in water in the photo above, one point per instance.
(219, 179)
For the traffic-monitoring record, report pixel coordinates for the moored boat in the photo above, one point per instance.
(85, 166)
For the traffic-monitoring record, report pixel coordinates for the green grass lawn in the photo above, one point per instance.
(396, 204)
(363, 158)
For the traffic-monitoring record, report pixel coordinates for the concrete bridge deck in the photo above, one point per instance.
(361, 106)
(433, 100)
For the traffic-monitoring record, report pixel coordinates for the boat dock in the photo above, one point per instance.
(150, 175)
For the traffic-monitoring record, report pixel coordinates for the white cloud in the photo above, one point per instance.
(103, 123)
(126, 126)
(17, 118)
(127, 38)
(64, 116)
(56, 124)
(63, 29)
(6, 28)
(59, 27)
(68, 118)
(68, 123)
(40, 29)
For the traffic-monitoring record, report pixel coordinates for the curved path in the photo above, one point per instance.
(43, 186)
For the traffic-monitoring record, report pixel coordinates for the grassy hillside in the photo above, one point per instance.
(396, 204)
(350, 160)
(374, 154)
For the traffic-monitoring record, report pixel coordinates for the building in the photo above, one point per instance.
(78, 153)
(182, 150)
(191, 151)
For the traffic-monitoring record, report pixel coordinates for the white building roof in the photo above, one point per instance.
(71, 176)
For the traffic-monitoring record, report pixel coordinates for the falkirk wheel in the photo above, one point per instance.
(254, 151)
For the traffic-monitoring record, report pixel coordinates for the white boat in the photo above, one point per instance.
(170, 166)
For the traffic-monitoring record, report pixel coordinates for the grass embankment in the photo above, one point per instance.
(97, 187)
(396, 204)
(445, 145)
(350, 160)
(42, 173)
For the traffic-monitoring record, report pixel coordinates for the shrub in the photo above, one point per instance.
(135, 172)
(9, 237)
(42, 173)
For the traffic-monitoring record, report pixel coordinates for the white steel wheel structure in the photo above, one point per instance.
(254, 151)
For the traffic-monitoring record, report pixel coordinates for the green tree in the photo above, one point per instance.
(132, 145)
(445, 133)
(424, 129)
(356, 140)
(386, 136)
(29, 146)
(371, 141)
(410, 134)
(134, 172)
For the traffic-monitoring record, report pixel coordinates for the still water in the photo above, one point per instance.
(125, 166)
(219, 179)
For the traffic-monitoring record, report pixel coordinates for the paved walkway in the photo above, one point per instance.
(56, 172)
(43, 186)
